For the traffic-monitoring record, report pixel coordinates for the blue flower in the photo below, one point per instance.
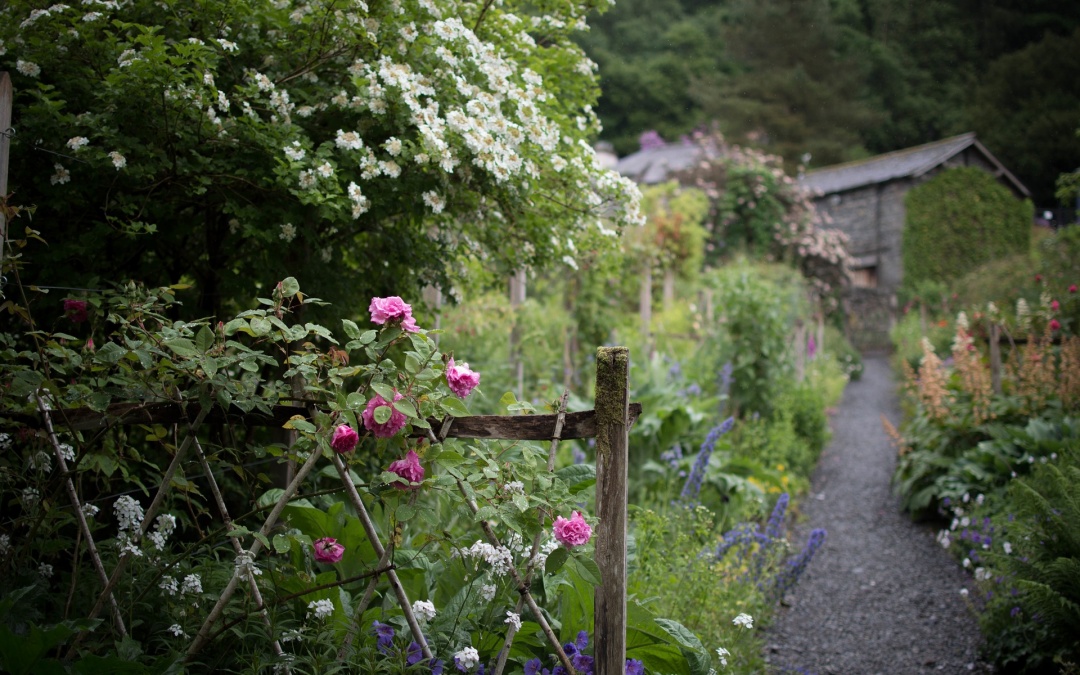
(532, 667)
(414, 654)
(385, 633)
(634, 667)
(692, 488)
(437, 667)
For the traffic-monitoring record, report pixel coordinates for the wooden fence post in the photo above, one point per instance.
(5, 144)
(612, 445)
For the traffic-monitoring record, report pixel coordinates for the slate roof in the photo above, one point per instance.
(906, 163)
(655, 165)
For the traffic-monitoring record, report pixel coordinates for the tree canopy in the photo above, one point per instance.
(842, 79)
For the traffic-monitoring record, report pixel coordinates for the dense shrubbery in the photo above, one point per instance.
(959, 220)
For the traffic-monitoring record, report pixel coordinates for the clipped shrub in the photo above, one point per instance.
(959, 220)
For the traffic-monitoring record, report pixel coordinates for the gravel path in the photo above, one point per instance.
(881, 596)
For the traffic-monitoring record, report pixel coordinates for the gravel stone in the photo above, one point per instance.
(881, 596)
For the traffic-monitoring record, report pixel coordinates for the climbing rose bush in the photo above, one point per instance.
(344, 439)
(408, 468)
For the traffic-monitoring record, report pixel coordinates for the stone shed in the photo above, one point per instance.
(865, 199)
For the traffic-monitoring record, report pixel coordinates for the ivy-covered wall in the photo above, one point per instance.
(958, 220)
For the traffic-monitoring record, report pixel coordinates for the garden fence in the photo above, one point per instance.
(608, 423)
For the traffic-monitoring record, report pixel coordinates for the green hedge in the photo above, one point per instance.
(959, 220)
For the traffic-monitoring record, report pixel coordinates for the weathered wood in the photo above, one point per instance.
(5, 145)
(508, 427)
(612, 444)
(995, 357)
(518, 285)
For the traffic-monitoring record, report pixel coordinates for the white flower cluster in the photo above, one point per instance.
(514, 620)
(164, 526)
(245, 565)
(192, 585)
(500, 558)
(321, 609)
(744, 620)
(467, 658)
(424, 610)
(129, 516)
(722, 654)
(89, 511)
(176, 630)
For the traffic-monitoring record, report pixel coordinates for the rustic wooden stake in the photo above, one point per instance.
(645, 301)
(612, 443)
(995, 357)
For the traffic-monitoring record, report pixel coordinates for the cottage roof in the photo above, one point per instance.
(906, 163)
(655, 165)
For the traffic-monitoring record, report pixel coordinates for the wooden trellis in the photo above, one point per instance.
(608, 423)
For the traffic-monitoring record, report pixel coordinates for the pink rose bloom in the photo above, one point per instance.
(461, 380)
(409, 469)
(345, 439)
(1072, 289)
(328, 550)
(573, 532)
(75, 310)
(393, 425)
(1054, 305)
(393, 309)
(1055, 324)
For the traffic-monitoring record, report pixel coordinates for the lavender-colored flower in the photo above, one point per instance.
(797, 565)
(634, 667)
(578, 455)
(532, 666)
(1014, 612)
(692, 487)
(773, 529)
(651, 140)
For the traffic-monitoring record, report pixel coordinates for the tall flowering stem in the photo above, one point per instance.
(692, 488)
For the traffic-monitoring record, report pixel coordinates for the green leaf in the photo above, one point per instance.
(260, 326)
(204, 339)
(262, 539)
(406, 407)
(577, 477)
(354, 401)
(351, 329)
(281, 543)
(449, 458)
(694, 652)
(235, 325)
(587, 569)
(405, 512)
(454, 407)
(182, 347)
(383, 390)
(555, 560)
(412, 364)
(289, 287)
(110, 352)
(368, 337)
(382, 414)
(521, 502)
